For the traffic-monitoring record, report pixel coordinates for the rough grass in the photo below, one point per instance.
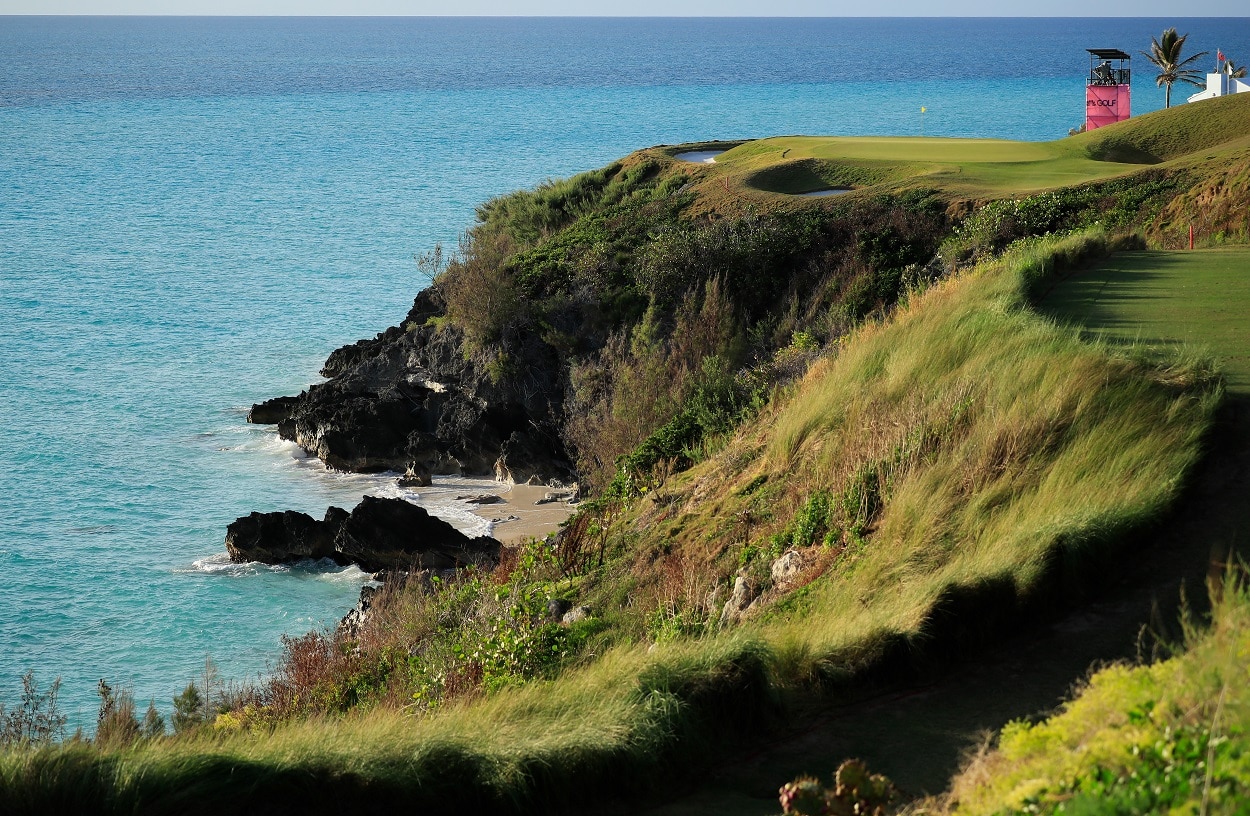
(524, 749)
(1169, 737)
(1014, 460)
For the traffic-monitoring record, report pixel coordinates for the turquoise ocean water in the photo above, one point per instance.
(195, 212)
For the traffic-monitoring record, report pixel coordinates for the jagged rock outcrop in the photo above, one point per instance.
(392, 533)
(273, 411)
(379, 534)
(351, 624)
(412, 400)
(278, 538)
(740, 601)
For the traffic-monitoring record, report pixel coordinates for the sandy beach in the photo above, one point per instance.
(517, 517)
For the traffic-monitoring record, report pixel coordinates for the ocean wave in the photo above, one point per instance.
(444, 498)
(322, 569)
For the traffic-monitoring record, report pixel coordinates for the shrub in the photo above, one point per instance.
(476, 288)
(855, 792)
(116, 726)
(37, 720)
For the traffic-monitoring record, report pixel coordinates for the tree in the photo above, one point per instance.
(1165, 53)
(1234, 71)
(153, 723)
(188, 709)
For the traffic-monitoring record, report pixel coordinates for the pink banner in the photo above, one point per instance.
(1105, 105)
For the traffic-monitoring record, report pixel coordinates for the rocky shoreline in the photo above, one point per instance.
(378, 534)
(413, 400)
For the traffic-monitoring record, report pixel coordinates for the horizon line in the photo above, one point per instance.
(626, 16)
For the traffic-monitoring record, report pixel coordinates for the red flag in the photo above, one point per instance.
(1219, 55)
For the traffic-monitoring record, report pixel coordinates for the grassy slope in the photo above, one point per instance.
(1156, 303)
(1007, 455)
(1137, 739)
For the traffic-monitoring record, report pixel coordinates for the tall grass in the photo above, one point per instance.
(1015, 459)
(614, 727)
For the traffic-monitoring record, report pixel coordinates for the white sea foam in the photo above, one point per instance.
(220, 564)
(350, 574)
(323, 569)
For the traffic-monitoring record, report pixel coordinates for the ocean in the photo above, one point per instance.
(195, 211)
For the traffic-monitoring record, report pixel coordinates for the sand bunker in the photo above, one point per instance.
(823, 193)
(699, 156)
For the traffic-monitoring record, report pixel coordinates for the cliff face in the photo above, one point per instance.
(580, 318)
(412, 399)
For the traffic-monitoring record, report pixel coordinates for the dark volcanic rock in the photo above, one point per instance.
(413, 399)
(276, 538)
(271, 412)
(395, 534)
(351, 624)
(379, 534)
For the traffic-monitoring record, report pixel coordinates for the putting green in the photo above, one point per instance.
(1216, 130)
(968, 167)
(894, 148)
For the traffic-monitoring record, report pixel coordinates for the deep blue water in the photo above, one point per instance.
(195, 211)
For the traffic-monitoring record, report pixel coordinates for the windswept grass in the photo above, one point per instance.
(622, 721)
(978, 457)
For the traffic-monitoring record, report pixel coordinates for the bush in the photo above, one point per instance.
(116, 726)
(37, 720)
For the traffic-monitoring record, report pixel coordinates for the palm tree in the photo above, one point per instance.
(1165, 53)
(1234, 71)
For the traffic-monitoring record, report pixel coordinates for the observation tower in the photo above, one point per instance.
(1107, 90)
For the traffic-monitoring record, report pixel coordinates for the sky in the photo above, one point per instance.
(635, 8)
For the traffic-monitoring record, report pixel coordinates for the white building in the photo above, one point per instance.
(1221, 84)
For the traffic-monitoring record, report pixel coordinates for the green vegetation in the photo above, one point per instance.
(917, 399)
(828, 442)
(1165, 738)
